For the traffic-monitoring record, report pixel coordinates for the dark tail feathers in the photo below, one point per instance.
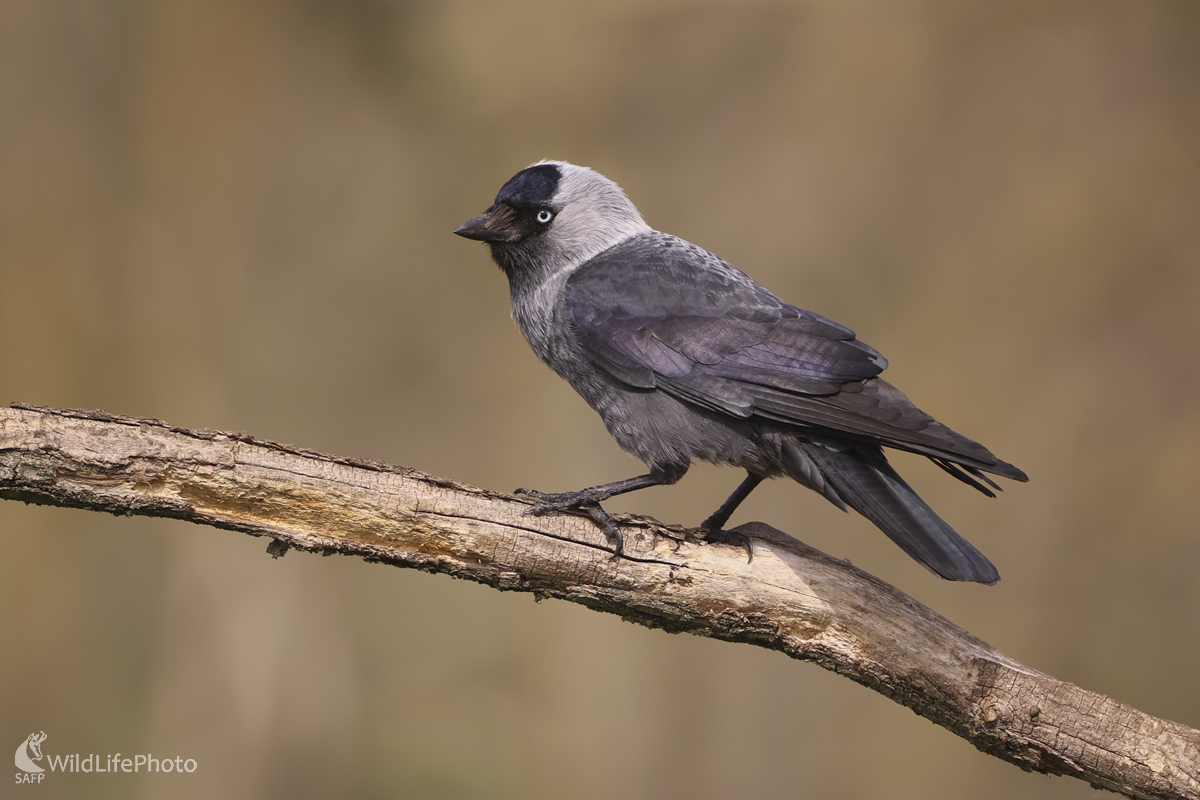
(860, 476)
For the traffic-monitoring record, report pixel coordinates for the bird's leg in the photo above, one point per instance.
(588, 500)
(715, 524)
(718, 518)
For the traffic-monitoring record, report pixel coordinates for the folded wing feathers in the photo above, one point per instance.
(657, 311)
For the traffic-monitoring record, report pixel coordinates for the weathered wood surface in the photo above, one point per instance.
(791, 598)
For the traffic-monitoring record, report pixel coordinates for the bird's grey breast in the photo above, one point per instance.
(541, 314)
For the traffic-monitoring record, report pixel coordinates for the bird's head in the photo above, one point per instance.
(551, 216)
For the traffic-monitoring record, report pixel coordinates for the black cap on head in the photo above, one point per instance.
(531, 187)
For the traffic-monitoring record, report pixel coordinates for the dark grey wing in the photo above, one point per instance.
(659, 312)
(656, 310)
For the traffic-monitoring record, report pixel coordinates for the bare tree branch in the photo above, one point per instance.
(792, 598)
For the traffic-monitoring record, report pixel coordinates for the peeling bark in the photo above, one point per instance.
(791, 598)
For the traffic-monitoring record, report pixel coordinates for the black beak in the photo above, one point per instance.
(490, 226)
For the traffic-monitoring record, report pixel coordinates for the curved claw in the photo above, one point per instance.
(736, 538)
(533, 494)
(583, 501)
(601, 518)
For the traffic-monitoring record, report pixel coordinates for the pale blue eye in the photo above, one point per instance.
(544, 216)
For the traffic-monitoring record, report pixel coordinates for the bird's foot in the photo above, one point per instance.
(559, 501)
(584, 501)
(722, 536)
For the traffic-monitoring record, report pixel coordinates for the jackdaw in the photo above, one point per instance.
(685, 357)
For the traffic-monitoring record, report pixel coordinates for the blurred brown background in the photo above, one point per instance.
(237, 215)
